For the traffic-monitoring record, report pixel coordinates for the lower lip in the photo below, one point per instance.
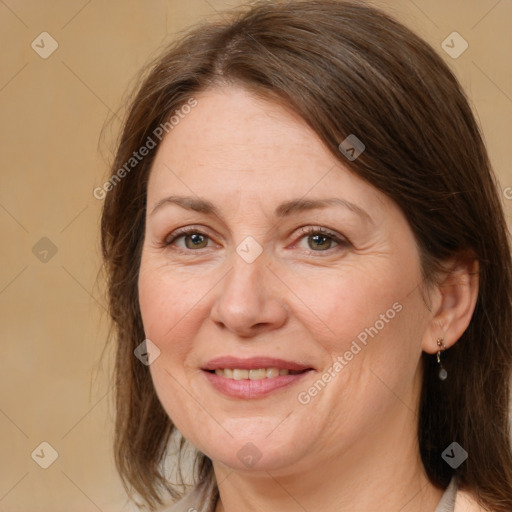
(247, 389)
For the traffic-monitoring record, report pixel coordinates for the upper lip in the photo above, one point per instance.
(253, 363)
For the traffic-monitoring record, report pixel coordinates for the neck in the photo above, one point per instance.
(381, 471)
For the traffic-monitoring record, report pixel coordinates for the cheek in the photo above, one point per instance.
(169, 301)
(371, 320)
(171, 305)
(354, 303)
(380, 354)
(377, 349)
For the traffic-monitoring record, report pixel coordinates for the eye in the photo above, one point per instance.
(321, 239)
(318, 239)
(188, 238)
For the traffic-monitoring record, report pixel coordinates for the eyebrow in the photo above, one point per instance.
(283, 210)
(300, 205)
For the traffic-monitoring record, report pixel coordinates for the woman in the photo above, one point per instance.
(308, 257)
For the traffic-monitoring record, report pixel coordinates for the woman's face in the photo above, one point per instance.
(288, 256)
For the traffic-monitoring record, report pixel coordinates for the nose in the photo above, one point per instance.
(249, 301)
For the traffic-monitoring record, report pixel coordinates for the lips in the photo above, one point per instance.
(236, 378)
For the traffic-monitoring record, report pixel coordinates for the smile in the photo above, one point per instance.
(255, 373)
(254, 377)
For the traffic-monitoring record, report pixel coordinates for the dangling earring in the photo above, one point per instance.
(442, 372)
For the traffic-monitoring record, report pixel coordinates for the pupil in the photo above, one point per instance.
(196, 240)
(320, 242)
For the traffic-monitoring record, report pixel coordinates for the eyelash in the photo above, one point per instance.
(304, 232)
(338, 239)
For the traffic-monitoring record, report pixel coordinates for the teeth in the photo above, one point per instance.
(253, 374)
(258, 374)
(240, 374)
(272, 372)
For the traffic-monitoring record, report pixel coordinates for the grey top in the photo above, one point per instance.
(447, 501)
(192, 501)
(202, 498)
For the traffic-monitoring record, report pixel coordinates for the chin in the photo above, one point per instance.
(251, 458)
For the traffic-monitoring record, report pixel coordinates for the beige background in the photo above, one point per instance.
(53, 386)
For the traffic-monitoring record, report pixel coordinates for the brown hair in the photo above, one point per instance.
(345, 68)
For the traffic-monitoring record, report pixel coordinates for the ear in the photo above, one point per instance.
(453, 302)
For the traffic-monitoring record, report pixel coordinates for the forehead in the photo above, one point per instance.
(232, 141)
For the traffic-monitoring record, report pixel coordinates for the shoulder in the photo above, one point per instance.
(196, 499)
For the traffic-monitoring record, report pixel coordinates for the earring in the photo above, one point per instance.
(442, 372)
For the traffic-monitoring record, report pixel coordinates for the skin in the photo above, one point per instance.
(295, 301)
